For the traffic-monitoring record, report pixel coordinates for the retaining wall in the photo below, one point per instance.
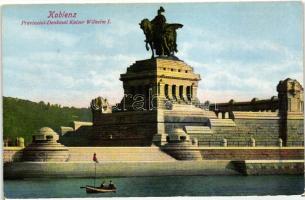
(21, 170)
(252, 153)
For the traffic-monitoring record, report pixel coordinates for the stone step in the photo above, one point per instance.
(222, 122)
(185, 107)
(255, 115)
(198, 130)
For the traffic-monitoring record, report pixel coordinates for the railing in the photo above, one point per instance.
(235, 143)
(295, 143)
(210, 143)
(266, 143)
(242, 143)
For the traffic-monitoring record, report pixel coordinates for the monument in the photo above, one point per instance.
(160, 122)
(158, 94)
(160, 36)
(160, 97)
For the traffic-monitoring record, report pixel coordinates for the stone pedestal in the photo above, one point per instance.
(154, 85)
(45, 148)
(166, 74)
(180, 146)
(291, 110)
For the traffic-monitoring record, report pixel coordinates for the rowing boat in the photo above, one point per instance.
(92, 189)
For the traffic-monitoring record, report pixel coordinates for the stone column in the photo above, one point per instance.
(280, 142)
(170, 93)
(161, 89)
(252, 142)
(224, 142)
(177, 92)
(185, 93)
(194, 92)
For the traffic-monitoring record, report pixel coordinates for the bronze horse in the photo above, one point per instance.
(166, 44)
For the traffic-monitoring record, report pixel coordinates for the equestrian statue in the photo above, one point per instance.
(160, 36)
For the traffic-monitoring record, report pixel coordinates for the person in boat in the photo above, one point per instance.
(111, 185)
(102, 184)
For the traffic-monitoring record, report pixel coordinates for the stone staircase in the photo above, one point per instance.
(190, 110)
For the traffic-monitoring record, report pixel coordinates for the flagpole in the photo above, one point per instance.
(95, 172)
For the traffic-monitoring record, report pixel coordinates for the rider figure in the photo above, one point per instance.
(102, 184)
(111, 185)
(159, 28)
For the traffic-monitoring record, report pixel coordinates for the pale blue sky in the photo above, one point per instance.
(241, 50)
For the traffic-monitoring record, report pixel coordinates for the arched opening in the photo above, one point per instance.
(166, 90)
(182, 138)
(49, 137)
(174, 91)
(188, 93)
(181, 91)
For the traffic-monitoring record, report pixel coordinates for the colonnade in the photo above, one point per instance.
(177, 92)
(171, 92)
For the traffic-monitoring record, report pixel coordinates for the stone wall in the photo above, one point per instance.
(115, 129)
(108, 154)
(122, 169)
(79, 137)
(267, 167)
(295, 130)
(124, 129)
(20, 170)
(252, 153)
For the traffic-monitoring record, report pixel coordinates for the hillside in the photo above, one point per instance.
(23, 117)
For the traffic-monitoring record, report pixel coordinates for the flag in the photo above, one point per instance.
(94, 158)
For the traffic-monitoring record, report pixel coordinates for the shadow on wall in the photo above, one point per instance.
(78, 137)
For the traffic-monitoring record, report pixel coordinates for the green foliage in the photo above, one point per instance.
(22, 118)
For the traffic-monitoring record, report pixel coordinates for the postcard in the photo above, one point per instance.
(153, 100)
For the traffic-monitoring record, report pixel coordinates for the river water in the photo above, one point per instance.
(159, 186)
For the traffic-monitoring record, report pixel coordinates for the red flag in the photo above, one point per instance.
(94, 158)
